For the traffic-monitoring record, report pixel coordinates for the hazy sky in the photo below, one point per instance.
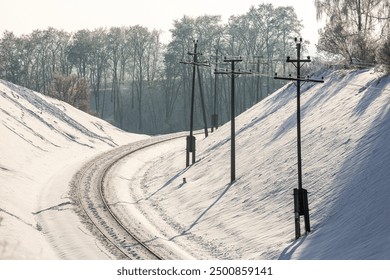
(23, 16)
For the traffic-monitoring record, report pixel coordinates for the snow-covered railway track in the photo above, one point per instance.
(96, 211)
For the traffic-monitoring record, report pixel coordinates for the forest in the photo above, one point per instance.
(128, 76)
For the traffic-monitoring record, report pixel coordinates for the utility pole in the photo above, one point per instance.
(214, 116)
(233, 74)
(206, 133)
(259, 92)
(258, 78)
(301, 205)
(191, 140)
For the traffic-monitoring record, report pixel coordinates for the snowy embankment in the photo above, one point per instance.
(43, 143)
(346, 133)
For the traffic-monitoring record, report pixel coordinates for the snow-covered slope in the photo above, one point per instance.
(41, 138)
(345, 130)
(346, 159)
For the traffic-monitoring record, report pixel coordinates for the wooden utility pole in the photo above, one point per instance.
(259, 94)
(233, 74)
(206, 133)
(191, 140)
(301, 205)
(214, 116)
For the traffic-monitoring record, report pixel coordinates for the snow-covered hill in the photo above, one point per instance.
(346, 159)
(40, 138)
(345, 130)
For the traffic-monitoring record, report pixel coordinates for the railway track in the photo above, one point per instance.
(95, 210)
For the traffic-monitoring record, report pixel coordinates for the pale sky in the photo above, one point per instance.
(23, 16)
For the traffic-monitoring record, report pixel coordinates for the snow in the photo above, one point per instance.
(44, 142)
(345, 131)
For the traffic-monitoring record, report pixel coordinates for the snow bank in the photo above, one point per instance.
(345, 133)
(40, 139)
(345, 130)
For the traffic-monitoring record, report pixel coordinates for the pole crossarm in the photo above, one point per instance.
(193, 53)
(298, 79)
(233, 59)
(298, 60)
(239, 72)
(230, 72)
(205, 63)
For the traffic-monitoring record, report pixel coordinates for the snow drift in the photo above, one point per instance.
(345, 136)
(41, 138)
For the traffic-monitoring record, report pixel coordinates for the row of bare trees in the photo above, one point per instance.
(107, 58)
(358, 30)
(263, 37)
(136, 82)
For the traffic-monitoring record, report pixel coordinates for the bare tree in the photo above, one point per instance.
(383, 54)
(71, 90)
(10, 57)
(362, 23)
(98, 63)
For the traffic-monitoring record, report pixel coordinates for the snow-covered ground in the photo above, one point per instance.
(43, 143)
(345, 130)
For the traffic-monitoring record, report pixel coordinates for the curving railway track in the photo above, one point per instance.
(89, 195)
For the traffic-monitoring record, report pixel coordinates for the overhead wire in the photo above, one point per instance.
(267, 75)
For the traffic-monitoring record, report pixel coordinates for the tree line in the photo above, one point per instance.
(137, 83)
(357, 30)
